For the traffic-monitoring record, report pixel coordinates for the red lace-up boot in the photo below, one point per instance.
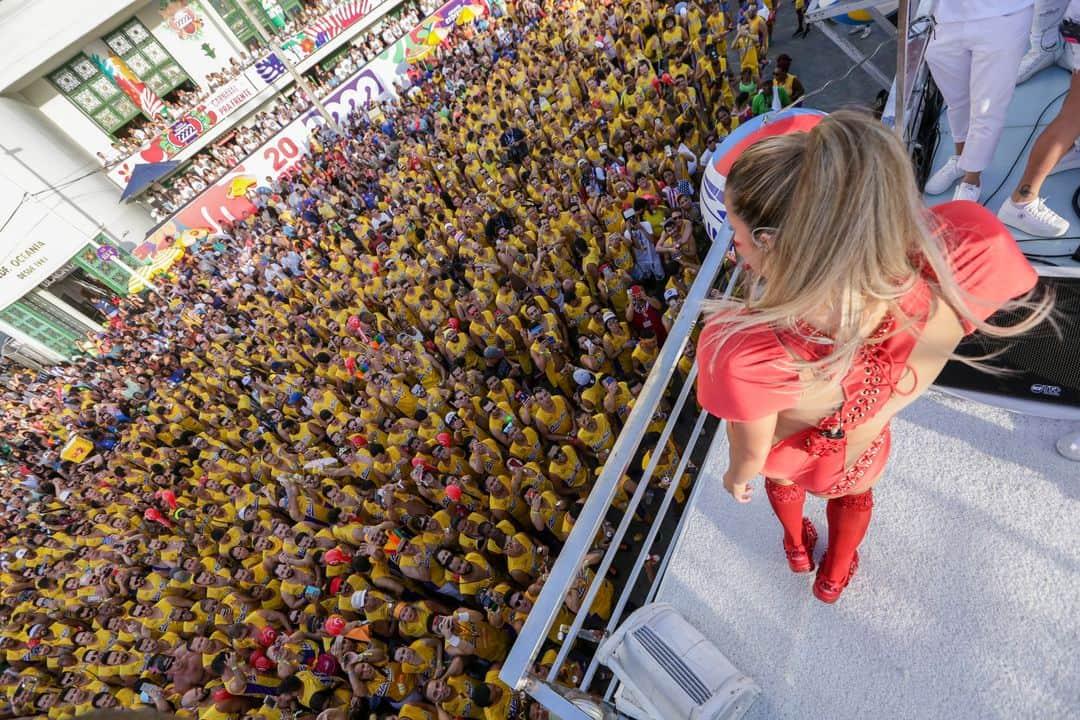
(800, 536)
(849, 516)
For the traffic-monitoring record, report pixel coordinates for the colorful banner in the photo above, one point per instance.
(360, 91)
(425, 38)
(114, 68)
(238, 91)
(322, 30)
(266, 70)
(283, 152)
(180, 134)
(225, 100)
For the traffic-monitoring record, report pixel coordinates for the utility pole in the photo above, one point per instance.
(900, 82)
(276, 48)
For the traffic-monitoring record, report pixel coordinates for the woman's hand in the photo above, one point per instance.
(741, 491)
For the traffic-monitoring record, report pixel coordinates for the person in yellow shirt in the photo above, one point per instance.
(525, 444)
(568, 473)
(595, 434)
(759, 28)
(454, 695)
(746, 45)
(552, 416)
(644, 354)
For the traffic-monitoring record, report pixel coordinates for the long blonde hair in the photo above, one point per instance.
(853, 233)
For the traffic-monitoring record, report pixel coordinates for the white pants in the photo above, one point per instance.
(974, 64)
(1072, 49)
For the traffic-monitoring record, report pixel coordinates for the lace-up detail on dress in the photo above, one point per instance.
(868, 385)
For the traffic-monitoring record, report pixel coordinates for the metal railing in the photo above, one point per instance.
(517, 670)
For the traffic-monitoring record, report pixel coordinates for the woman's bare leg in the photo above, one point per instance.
(1051, 146)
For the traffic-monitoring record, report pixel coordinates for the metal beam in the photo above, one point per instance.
(855, 54)
(815, 12)
(883, 22)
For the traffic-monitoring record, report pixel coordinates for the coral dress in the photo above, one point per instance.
(753, 376)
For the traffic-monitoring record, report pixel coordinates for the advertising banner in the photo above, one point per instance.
(284, 151)
(31, 261)
(326, 27)
(191, 127)
(178, 136)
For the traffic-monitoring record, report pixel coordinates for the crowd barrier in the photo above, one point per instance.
(517, 671)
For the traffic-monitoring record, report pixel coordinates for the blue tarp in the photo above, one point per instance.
(144, 174)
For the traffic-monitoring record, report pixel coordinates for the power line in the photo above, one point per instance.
(61, 186)
(22, 201)
(34, 195)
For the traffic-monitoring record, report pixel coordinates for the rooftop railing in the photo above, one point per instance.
(517, 671)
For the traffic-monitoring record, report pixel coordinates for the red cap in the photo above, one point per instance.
(154, 515)
(350, 364)
(353, 322)
(453, 322)
(259, 661)
(444, 439)
(335, 624)
(453, 492)
(267, 636)
(334, 556)
(358, 441)
(168, 496)
(326, 664)
(335, 585)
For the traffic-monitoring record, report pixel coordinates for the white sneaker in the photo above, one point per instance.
(1033, 218)
(1069, 161)
(1037, 59)
(967, 191)
(1069, 59)
(944, 178)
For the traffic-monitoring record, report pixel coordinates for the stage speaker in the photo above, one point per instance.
(1042, 367)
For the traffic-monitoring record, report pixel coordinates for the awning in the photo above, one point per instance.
(144, 175)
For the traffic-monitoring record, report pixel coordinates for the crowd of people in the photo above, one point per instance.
(333, 460)
(210, 164)
(189, 96)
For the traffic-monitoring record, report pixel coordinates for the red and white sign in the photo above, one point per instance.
(215, 205)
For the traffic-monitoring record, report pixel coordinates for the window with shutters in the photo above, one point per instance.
(89, 89)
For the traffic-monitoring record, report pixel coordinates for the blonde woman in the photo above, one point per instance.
(857, 297)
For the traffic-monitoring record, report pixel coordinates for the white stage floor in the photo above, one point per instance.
(967, 601)
(1000, 179)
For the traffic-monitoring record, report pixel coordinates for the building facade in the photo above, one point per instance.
(91, 91)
